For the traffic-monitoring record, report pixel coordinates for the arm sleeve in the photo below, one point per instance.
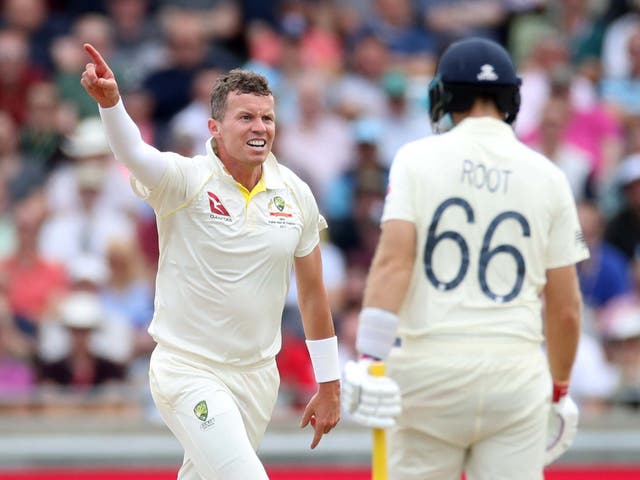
(313, 224)
(566, 240)
(147, 164)
(398, 203)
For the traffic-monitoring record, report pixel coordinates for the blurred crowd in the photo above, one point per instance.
(78, 249)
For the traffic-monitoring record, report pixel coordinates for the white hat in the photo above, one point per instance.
(90, 175)
(88, 268)
(629, 170)
(88, 139)
(81, 310)
(623, 324)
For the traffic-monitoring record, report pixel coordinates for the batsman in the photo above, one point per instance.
(472, 299)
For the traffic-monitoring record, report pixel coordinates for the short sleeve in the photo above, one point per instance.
(175, 187)
(566, 245)
(313, 223)
(398, 204)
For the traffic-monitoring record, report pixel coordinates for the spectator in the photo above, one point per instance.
(41, 136)
(136, 39)
(359, 91)
(451, 20)
(17, 378)
(33, 282)
(551, 140)
(343, 194)
(11, 161)
(623, 230)
(605, 275)
(394, 23)
(188, 52)
(89, 229)
(127, 292)
(623, 93)
(17, 74)
(81, 369)
(40, 26)
(191, 121)
(87, 145)
(402, 122)
(303, 146)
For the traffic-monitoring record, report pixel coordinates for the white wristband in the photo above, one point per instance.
(324, 358)
(376, 332)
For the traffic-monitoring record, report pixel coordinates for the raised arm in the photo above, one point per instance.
(146, 163)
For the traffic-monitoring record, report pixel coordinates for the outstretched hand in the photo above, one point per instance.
(98, 79)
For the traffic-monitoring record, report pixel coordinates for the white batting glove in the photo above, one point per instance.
(563, 424)
(371, 401)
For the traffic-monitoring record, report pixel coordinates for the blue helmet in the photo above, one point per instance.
(472, 68)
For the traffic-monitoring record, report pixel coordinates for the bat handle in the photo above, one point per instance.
(379, 454)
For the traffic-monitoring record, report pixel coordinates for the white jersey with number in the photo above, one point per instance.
(491, 216)
(226, 258)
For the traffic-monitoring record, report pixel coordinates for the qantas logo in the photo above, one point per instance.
(216, 205)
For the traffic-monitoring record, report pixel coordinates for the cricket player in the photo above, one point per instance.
(476, 229)
(231, 224)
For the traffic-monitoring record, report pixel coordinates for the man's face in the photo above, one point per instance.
(245, 135)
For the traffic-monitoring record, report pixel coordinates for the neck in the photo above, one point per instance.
(248, 177)
(480, 108)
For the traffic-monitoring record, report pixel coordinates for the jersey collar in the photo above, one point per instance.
(485, 126)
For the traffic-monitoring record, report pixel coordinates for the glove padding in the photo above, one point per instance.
(372, 401)
(562, 428)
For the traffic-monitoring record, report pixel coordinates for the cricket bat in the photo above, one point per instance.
(379, 454)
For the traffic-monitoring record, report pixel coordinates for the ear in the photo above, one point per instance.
(214, 127)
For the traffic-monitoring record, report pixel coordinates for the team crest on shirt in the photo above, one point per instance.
(280, 212)
(277, 207)
(201, 411)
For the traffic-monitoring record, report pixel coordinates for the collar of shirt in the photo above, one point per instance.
(271, 177)
(482, 126)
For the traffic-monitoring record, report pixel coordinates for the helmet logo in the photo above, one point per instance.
(487, 73)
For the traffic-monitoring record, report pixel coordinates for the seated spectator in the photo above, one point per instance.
(88, 145)
(33, 282)
(89, 229)
(346, 193)
(41, 136)
(128, 294)
(17, 377)
(605, 275)
(81, 369)
(550, 139)
(17, 74)
(620, 328)
(623, 230)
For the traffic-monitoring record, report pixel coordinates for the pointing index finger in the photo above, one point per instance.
(95, 55)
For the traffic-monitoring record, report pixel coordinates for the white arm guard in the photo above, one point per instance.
(376, 332)
(562, 428)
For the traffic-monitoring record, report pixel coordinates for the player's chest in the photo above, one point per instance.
(223, 209)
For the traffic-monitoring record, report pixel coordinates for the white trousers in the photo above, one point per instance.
(478, 406)
(218, 413)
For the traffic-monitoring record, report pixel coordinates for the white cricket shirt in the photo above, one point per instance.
(491, 216)
(226, 257)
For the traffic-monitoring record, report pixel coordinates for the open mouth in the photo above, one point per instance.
(257, 143)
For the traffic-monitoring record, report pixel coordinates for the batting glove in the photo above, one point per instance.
(372, 401)
(563, 423)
